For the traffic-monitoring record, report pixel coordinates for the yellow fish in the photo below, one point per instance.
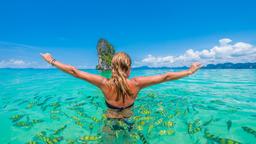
(140, 128)
(220, 140)
(57, 139)
(89, 138)
(79, 123)
(95, 119)
(35, 121)
(166, 132)
(134, 135)
(169, 124)
(23, 124)
(32, 142)
(141, 123)
(146, 112)
(75, 118)
(146, 118)
(30, 105)
(142, 138)
(60, 130)
(16, 117)
(136, 117)
(158, 122)
(150, 128)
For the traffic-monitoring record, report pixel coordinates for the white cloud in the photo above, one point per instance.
(151, 58)
(19, 63)
(13, 63)
(14, 55)
(224, 41)
(225, 51)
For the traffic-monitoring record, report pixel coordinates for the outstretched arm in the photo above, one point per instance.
(142, 82)
(92, 78)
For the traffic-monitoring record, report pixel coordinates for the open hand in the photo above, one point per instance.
(195, 66)
(47, 57)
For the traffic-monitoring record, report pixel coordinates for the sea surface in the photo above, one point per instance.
(49, 106)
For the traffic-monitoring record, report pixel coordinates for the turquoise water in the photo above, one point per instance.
(211, 106)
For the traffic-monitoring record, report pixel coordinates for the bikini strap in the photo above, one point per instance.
(118, 108)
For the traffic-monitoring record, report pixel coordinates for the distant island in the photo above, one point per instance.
(231, 66)
(210, 66)
(105, 54)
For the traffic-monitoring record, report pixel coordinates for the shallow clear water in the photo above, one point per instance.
(211, 106)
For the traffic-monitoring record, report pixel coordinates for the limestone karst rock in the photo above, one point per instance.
(105, 53)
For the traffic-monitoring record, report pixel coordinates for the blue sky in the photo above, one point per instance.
(154, 33)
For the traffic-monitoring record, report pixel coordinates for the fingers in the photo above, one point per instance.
(200, 65)
(44, 54)
(197, 64)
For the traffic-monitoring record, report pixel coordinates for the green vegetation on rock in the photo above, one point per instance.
(105, 53)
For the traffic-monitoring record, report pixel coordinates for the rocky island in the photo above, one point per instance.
(105, 53)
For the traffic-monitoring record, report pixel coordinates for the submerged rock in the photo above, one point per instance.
(105, 54)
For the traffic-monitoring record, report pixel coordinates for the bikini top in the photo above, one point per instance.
(118, 108)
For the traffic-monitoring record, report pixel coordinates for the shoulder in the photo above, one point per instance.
(135, 81)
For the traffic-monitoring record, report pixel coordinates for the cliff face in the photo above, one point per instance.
(105, 53)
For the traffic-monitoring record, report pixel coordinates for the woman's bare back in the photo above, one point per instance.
(111, 95)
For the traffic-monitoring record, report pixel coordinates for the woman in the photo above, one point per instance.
(119, 91)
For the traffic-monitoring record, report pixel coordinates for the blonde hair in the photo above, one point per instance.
(120, 64)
